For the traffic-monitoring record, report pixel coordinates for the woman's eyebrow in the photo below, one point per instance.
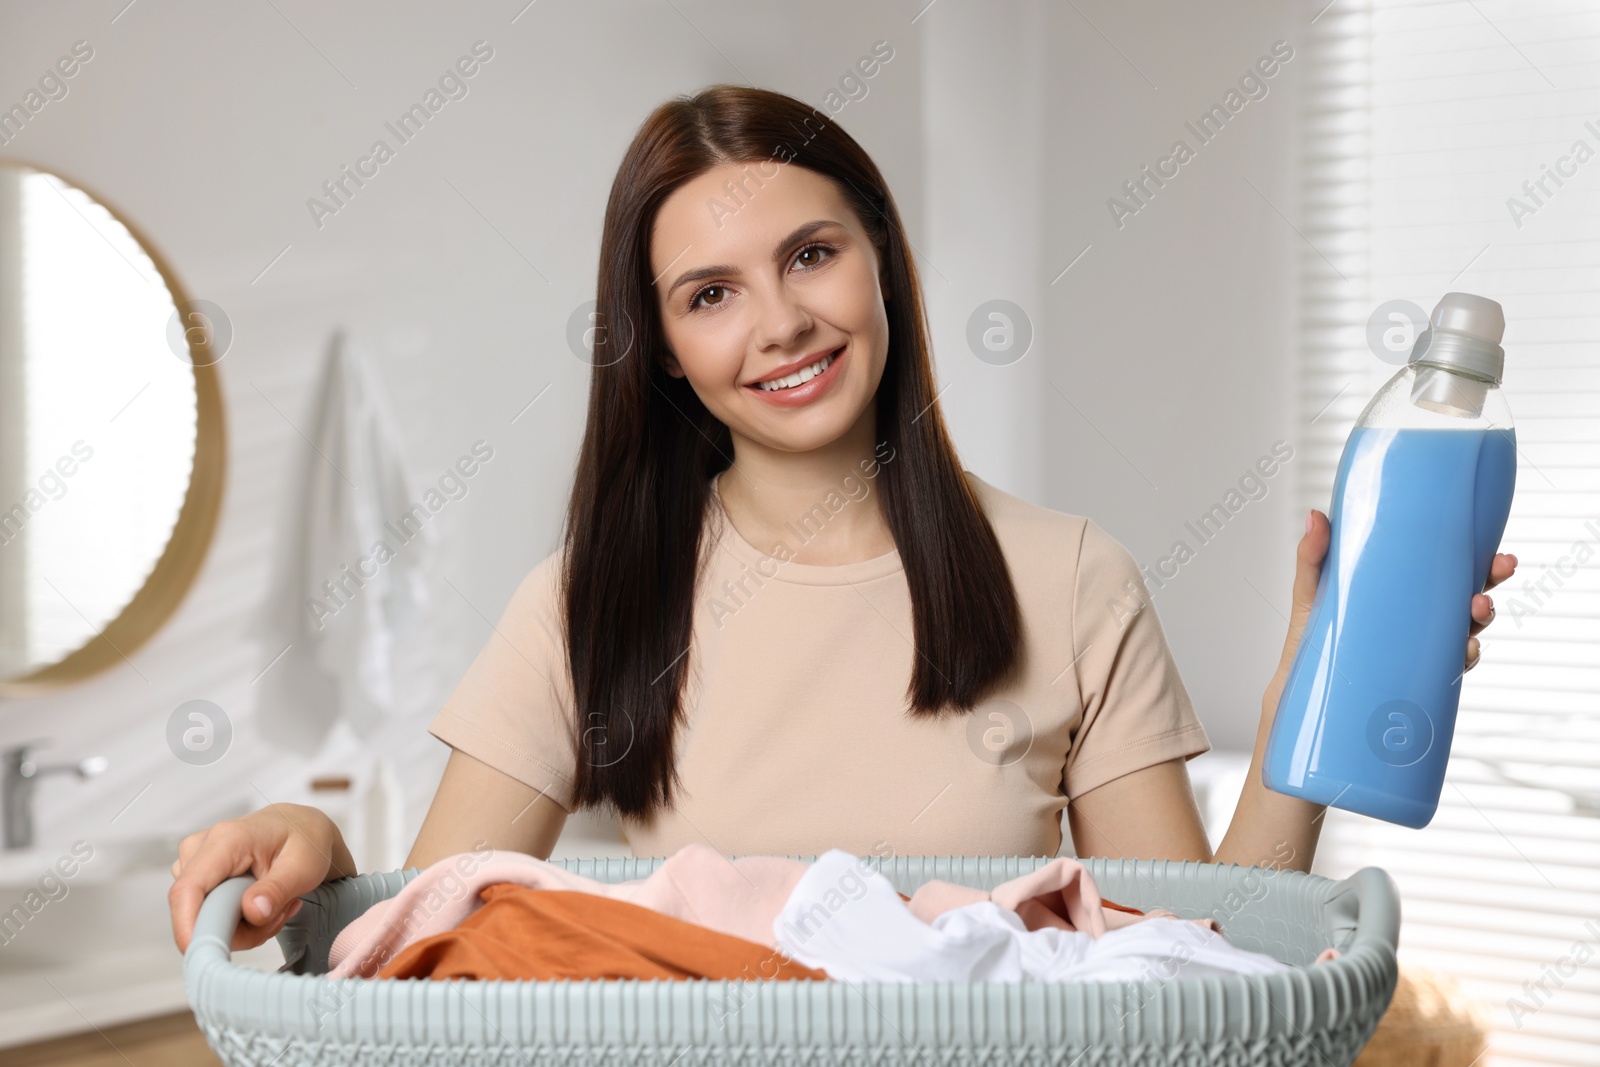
(800, 234)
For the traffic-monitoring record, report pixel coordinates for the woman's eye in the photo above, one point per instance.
(814, 248)
(695, 300)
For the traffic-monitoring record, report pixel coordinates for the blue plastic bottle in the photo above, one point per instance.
(1420, 501)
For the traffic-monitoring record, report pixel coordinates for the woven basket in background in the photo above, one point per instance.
(1430, 1023)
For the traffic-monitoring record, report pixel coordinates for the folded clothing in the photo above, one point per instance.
(834, 915)
(549, 934)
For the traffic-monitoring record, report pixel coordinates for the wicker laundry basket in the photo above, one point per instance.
(1312, 1014)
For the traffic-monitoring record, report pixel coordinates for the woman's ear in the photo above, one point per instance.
(670, 361)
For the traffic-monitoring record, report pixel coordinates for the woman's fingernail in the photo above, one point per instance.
(261, 906)
(1310, 520)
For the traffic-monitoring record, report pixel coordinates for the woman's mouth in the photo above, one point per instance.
(803, 385)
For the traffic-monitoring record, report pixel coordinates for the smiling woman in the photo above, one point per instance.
(936, 671)
(893, 678)
(774, 344)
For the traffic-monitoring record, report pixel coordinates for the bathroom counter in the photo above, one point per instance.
(116, 987)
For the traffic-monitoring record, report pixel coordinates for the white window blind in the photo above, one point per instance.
(1421, 122)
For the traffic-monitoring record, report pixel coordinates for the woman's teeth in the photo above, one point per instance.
(799, 377)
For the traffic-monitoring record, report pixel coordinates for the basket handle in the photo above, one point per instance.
(1377, 903)
(219, 917)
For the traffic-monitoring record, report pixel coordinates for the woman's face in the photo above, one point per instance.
(762, 280)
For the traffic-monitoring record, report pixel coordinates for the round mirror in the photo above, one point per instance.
(111, 452)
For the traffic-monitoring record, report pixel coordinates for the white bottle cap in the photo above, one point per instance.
(1477, 316)
(1464, 335)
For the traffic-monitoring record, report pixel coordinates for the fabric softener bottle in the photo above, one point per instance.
(1420, 501)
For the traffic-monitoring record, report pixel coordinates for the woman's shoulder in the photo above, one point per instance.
(538, 590)
(1047, 540)
(1023, 521)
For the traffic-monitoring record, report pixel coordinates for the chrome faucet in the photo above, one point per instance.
(19, 775)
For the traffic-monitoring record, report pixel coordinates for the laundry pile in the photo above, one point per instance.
(702, 915)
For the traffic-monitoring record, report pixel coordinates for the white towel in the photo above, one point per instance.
(351, 585)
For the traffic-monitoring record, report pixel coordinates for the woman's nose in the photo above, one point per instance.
(781, 318)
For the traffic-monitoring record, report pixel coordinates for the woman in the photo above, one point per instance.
(913, 662)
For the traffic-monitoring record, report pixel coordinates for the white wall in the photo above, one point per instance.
(1171, 336)
(1002, 129)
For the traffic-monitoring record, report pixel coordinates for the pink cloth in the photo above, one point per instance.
(698, 884)
(1060, 894)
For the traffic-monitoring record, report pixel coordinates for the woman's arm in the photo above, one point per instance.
(1270, 829)
(1151, 813)
(1148, 814)
(291, 848)
(477, 806)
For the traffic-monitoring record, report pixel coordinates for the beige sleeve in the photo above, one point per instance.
(1136, 711)
(513, 707)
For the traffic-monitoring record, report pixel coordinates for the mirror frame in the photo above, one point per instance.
(186, 550)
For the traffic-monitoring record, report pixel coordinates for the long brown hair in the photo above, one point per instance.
(633, 546)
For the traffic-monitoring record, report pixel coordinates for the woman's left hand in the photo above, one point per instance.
(1503, 566)
(1308, 571)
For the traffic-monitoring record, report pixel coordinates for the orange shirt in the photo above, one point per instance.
(550, 934)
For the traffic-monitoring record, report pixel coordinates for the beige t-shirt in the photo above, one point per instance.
(799, 738)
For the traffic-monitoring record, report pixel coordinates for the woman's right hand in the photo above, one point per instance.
(289, 848)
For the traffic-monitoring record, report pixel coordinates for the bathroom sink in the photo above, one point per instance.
(64, 903)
